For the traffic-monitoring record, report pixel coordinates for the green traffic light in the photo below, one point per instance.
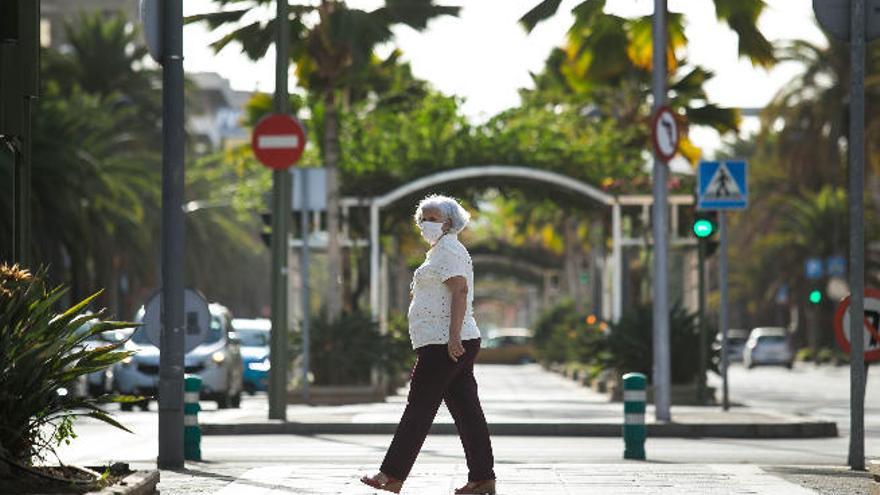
(815, 296)
(703, 228)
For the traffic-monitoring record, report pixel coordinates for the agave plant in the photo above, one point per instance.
(41, 353)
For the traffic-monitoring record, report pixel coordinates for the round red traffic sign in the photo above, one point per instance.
(871, 322)
(665, 131)
(278, 141)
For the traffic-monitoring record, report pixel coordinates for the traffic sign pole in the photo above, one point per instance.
(280, 212)
(172, 339)
(857, 234)
(661, 372)
(304, 277)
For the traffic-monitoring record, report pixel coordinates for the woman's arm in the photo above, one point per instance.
(458, 290)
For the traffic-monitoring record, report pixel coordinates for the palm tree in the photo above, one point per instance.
(740, 15)
(330, 42)
(606, 65)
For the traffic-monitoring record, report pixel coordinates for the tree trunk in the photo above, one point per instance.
(333, 296)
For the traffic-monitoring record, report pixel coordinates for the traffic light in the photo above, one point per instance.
(815, 296)
(704, 228)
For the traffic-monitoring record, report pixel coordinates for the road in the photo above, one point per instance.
(806, 390)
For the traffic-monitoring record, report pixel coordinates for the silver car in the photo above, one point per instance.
(768, 346)
(217, 361)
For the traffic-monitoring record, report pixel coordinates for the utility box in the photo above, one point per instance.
(19, 61)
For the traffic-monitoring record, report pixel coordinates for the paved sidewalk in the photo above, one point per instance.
(522, 400)
(633, 478)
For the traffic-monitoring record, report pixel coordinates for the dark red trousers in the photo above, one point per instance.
(436, 378)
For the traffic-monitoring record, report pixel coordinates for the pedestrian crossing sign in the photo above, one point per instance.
(722, 185)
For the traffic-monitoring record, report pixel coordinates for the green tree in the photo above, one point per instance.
(605, 67)
(330, 42)
(740, 15)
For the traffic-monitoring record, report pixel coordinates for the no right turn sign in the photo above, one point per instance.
(871, 326)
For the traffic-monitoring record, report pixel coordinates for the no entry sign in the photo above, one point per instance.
(278, 141)
(871, 323)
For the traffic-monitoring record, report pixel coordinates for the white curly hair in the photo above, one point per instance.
(448, 207)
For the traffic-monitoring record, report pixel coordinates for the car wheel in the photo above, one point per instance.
(144, 405)
(789, 365)
(126, 406)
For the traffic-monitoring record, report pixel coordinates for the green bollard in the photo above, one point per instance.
(634, 431)
(192, 434)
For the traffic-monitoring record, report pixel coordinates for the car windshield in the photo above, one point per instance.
(214, 334)
(771, 339)
(253, 338)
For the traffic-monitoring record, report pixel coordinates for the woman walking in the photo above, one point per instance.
(446, 338)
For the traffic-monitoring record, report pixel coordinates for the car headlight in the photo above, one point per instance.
(259, 365)
(218, 357)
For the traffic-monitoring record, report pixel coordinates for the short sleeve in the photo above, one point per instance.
(446, 263)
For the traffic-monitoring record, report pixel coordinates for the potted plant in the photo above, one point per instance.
(43, 352)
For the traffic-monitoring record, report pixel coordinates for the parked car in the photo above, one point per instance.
(736, 343)
(507, 346)
(96, 383)
(254, 336)
(217, 361)
(768, 346)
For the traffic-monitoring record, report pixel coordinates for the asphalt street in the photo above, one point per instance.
(809, 390)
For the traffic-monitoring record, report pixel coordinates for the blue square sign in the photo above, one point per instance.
(722, 185)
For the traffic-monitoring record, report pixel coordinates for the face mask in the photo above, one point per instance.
(431, 231)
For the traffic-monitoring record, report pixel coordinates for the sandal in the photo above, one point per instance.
(485, 487)
(390, 484)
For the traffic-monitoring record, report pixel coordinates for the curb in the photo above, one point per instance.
(136, 483)
(801, 429)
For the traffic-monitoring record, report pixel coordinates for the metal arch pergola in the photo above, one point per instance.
(511, 171)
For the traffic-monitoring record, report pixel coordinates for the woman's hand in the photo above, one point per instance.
(455, 349)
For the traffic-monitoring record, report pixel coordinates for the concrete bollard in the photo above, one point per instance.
(192, 433)
(634, 431)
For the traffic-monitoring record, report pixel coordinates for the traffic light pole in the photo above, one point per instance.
(662, 364)
(857, 235)
(701, 311)
(172, 241)
(281, 205)
(722, 313)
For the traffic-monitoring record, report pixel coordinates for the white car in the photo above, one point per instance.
(768, 346)
(97, 383)
(217, 361)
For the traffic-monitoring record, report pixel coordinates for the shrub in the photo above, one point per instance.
(631, 349)
(562, 335)
(345, 351)
(41, 353)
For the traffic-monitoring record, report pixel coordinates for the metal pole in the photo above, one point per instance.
(617, 261)
(701, 304)
(660, 231)
(172, 337)
(375, 251)
(857, 236)
(722, 313)
(304, 277)
(280, 211)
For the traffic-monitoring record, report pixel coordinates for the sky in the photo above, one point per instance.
(484, 56)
